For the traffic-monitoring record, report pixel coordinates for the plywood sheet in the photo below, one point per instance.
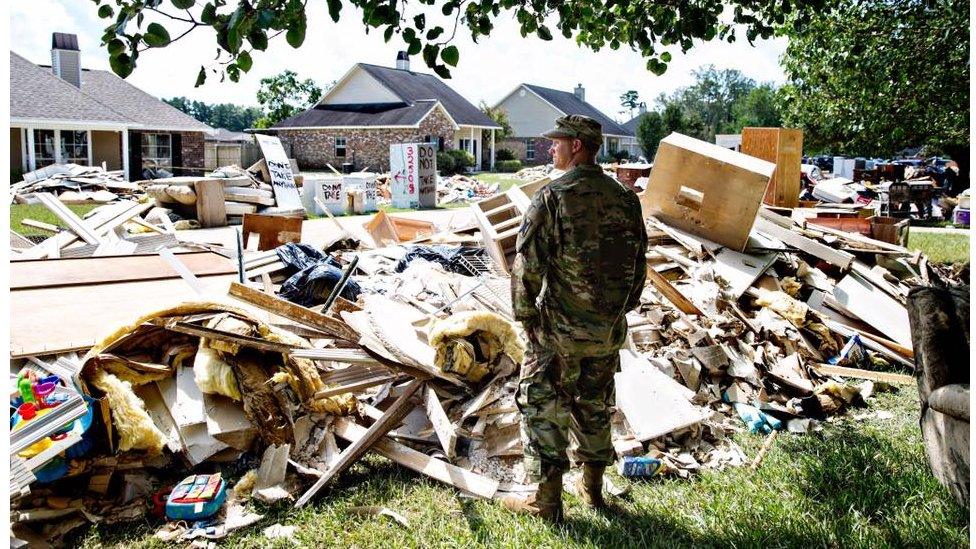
(783, 147)
(100, 270)
(273, 230)
(52, 320)
(706, 190)
(875, 307)
(653, 403)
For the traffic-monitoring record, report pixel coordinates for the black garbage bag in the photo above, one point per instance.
(317, 275)
(447, 256)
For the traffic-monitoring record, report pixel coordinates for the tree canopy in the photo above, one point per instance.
(500, 116)
(218, 115)
(284, 95)
(241, 28)
(872, 77)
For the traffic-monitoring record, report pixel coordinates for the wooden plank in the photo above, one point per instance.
(876, 308)
(812, 247)
(446, 433)
(354, 451)
(220, 335)
(274, 230)
(887, 377)
(289, 310)
(462, 479)
(719, 190)
(49, 273)
(783, 147)
(69, 318)
(40, 225)
(662, 285)
(75, 223)
(211, 210)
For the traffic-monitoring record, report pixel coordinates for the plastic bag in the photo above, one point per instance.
(317, 275)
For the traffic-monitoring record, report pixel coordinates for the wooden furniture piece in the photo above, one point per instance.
(500, 218)
(272, 230)
(783, 147)
(706, 190)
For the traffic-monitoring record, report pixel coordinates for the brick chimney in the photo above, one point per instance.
(579, 92)
(66, 58)
(403, 61)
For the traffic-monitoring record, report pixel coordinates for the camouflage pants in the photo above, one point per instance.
(565, 399)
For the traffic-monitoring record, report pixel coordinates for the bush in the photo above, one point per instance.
(462, 160)
(621, 156)
(445, 164)
(504, 154)
(508, 166)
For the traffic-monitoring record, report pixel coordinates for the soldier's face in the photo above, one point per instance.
(562, 151)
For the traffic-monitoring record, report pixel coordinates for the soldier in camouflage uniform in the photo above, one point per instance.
(580, 268)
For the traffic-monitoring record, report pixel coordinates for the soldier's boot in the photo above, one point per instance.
(589, 486)
(546, 503)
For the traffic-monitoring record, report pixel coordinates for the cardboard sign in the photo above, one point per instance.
(279, 168)
(413, 173)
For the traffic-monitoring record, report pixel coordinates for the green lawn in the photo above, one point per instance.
(37, 212)
(858, 483)
(504, 180)
(941, 247)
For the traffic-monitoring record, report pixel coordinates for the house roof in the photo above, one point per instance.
(418, 93)
(224, 135)
(631, 125)
(36, 93)
(568, 103)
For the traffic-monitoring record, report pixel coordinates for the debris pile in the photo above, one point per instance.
(752, 321)
(74, 184)
(461, 188)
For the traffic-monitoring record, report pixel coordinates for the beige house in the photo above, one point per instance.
(372, 107)
(533, 109)
(64, 113)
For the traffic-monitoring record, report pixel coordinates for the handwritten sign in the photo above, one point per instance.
(331, 191)
(282, 178)
(413, 174)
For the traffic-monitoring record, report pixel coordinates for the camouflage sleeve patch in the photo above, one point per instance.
(533, 219)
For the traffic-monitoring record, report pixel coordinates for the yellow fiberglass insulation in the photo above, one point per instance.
(784, 305)
(135, 428)
(451, 338)
(212, 375)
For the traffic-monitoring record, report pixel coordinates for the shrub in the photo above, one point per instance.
(508, 166)
(445, 163)
(621, 156)
(504, 154)
(462, 160)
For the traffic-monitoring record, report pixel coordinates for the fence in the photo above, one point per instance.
(216, 155)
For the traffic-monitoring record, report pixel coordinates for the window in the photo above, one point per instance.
(45, 152)
(340, 147)
(436, 140)
(157, 150)
(530, 150)
(74, 147)
(613, 145)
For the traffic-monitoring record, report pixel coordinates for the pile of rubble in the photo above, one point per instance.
(74, 184)
(463, 189)
(411, 351)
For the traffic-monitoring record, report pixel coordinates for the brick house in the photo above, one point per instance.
(64, 113)
(532, 110)
(372, 107)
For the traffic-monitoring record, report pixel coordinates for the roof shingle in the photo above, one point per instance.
(568, 103)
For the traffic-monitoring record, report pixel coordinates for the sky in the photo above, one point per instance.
(487, 71)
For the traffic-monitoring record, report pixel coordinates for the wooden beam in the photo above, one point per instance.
(812, 247)
(462, 479)
(41, 225)
(286, 309)
(887, 377)
(220, 335)
(662, 285)
(75, 223)
(394, 414)
(445, 430)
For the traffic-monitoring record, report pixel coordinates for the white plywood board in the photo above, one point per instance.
(875, 307)
(653, 403)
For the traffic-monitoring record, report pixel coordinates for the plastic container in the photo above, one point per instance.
(196, 497)
(639, 466)
(960, 216)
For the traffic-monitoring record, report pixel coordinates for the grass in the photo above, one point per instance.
(38, 212)
(941, 247)
(505, 180)
(856, 484)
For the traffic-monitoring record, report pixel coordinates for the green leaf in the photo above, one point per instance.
(430, 54)
(106, 11)
(156, 36)
(209, 14)
(666, 57)
(183, 4)
(414, 47)
(258, 39)
(121, 64)
(335, 6)
(233, 72)
(419, 21)
(442, 71)
(296, 33)
(433, 33)
(244, 61)
(387, 34)
(448, 8)
(544, 33)
(201, 77)
(116, 47)
(450, 56)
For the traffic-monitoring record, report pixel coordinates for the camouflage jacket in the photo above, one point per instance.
(580, 264)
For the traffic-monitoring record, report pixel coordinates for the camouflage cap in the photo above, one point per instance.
(577, 126)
